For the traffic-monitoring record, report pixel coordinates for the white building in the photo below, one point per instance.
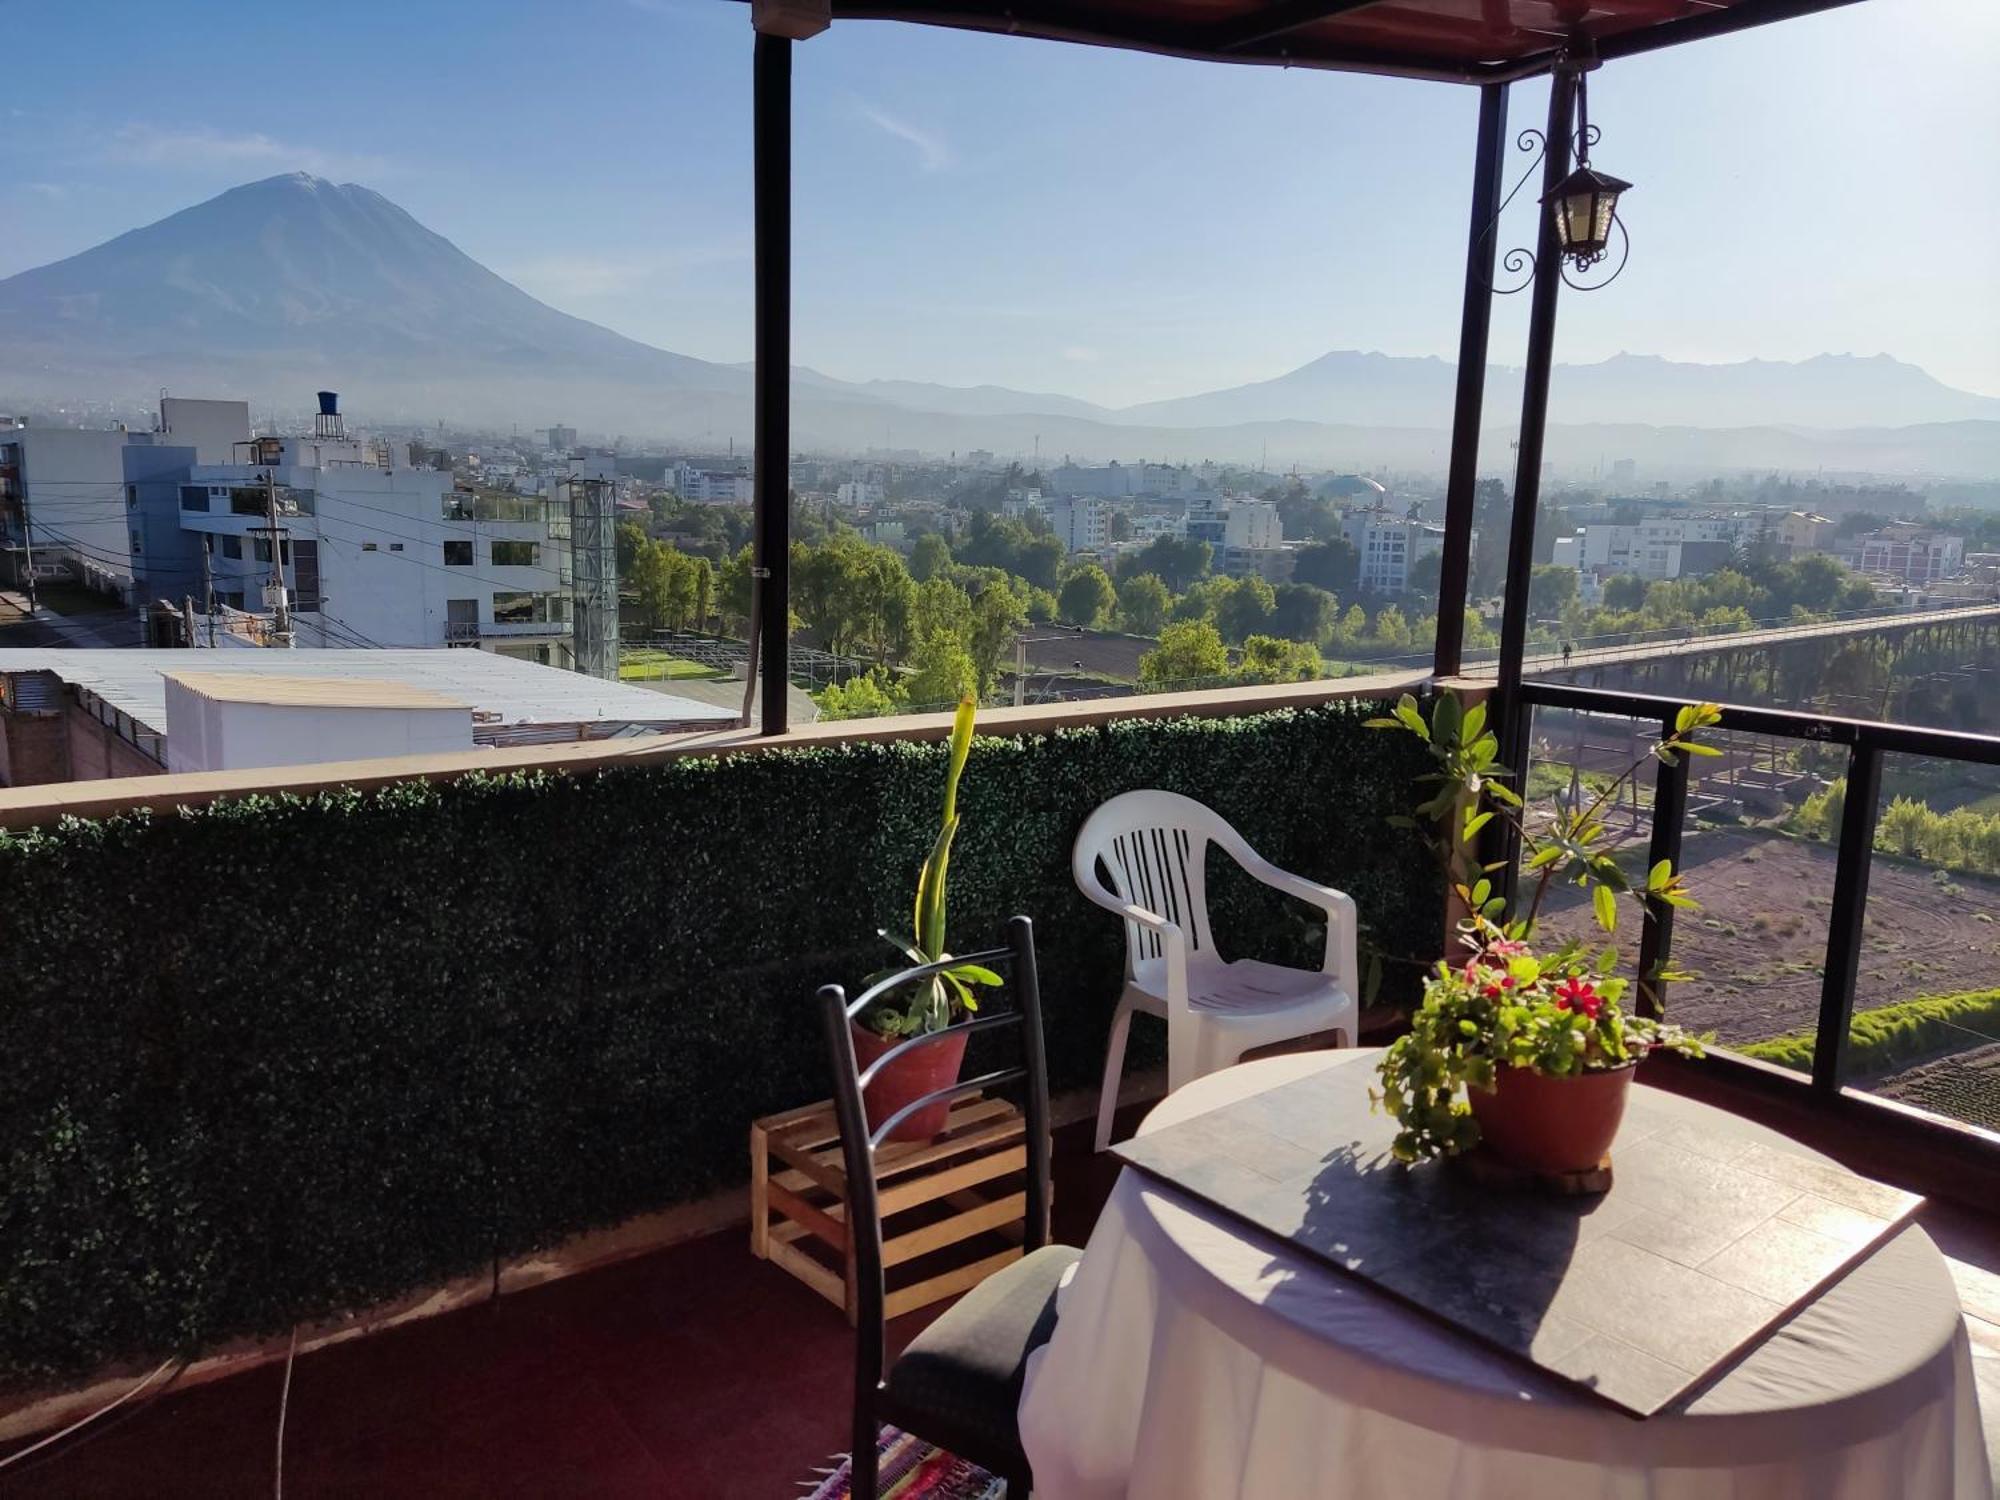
(857, 493)
(375, 556)
(713, 486)
(1659, 547)
(1253, 525)
(1233, 521)
(1080, 522)
(1020, 505)
(1389, 547)
(1905, 552)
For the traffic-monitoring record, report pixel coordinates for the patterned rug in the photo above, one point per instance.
(914, 1470)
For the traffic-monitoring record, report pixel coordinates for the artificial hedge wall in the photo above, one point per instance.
(281, 1057)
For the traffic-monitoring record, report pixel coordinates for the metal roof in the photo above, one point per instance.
(503, 691)
(1461, 41)
(291, 691)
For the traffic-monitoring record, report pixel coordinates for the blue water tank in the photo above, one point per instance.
(329, 403)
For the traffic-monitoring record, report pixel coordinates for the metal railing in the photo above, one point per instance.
(1866, 743)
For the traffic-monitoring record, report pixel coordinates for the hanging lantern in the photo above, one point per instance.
(1585, 205)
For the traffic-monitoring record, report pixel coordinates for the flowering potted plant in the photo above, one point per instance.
(934, 1004)
(1538, 1041)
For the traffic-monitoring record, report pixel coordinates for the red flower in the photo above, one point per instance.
(1576, 994)
(1506, 948)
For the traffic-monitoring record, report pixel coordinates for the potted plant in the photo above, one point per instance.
(934, 1004)
(1538, 1042)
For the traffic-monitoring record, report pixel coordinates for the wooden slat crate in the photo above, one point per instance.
(935, 1197)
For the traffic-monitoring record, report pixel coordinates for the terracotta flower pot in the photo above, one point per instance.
(909, 1077)
(1543, 1124)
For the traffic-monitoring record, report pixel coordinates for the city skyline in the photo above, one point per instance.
(959, 218)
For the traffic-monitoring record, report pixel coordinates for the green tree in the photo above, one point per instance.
(1492, 518)
(1086, 597)
(942, 672)
(704, 592)
(661, 583)
(998, 614)
(1175, 561)
(1392, 630)
(631, 536)
(929, 557)
(1189, 650)
(1332, 565)
(1551, 589)
(680, 586)
(1243, 608)
(1041, 562)
(868, 695)
(1624, 591)
(942, 605)
(1143, 601)
(1269, 659)
(1424, 580)
(1302, 612)
(733, 591)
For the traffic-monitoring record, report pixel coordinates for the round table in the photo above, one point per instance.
(1195, 1359)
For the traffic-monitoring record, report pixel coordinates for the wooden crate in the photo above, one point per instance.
(968, 1185)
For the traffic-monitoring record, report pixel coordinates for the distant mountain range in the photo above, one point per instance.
(275, 288)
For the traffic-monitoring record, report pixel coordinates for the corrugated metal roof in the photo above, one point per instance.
(501, 689)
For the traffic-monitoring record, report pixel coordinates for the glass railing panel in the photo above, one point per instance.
(1926, 1028)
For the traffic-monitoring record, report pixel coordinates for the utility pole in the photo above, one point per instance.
(274, 591)
(208, 586)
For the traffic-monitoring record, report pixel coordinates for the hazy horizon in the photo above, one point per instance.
(981, 210)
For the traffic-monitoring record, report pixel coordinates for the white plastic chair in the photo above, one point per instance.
(1154, 847)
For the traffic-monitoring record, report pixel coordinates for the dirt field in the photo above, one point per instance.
(1759, 940)
(1101, 653)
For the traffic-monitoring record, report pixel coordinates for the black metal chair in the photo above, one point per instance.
(959, 1381)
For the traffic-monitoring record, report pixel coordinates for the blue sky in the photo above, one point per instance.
(1100, 223)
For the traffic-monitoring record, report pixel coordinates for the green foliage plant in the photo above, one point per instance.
(934, 1004)
(1559, 1012)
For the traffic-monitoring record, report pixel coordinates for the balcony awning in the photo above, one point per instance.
(1465, 41)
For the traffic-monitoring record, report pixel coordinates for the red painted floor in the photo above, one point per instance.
(692, 1372)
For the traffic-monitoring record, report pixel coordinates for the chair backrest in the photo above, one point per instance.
(858, 1143)
(1153, 847)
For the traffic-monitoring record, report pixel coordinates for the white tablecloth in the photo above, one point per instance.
(1196, 1360)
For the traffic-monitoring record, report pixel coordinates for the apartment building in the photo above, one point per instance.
(711, 486)
(1082, 523)
(1658, 547)
(368, 554)
(1389, 547)
(1905, 552)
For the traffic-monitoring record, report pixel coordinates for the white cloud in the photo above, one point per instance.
(206, 148)
(1081, 354)
(54, 191)
(933, 152)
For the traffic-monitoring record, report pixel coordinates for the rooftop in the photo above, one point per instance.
(309, 692)
(504, 692)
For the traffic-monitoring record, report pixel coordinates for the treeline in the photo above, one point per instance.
(941, 624)
(1737, 598)
(1961, 839)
